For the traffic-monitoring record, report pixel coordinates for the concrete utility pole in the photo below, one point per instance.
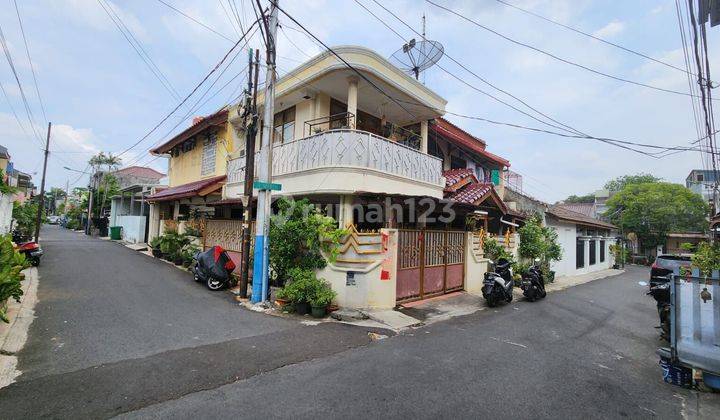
(250, 133)
(264, 202)
(90, 202)
(41, 205)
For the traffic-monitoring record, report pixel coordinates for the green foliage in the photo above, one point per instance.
(4, 187)
(620, 254)
(587, 198)
(538, 241)
(707, 257)
(25, 216)
(73, 224)
(304, 286)
(299, 235)
(101, 159)
(494, 250)
(172, 243)
(688, 247)
(188, 253)
(109, 186)
(651, 210)
(11, 265)
(621, 182)
(155, 242)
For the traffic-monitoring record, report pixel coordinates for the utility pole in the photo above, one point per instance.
(67, 191)
(264, 202)
(90, 201)
(41, 205)
(250, 133)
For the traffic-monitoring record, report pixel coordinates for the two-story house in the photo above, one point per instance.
(375, 153)
(197, 159)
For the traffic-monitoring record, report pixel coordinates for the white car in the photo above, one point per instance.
(53, 220)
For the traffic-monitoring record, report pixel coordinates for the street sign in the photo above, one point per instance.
(260, 185)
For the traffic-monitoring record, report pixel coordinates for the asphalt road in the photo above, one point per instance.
(120, 333)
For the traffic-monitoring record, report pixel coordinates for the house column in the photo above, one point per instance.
(424, 136)
(352, 99)
(345, 212)
(154, 220)
(176, 210)
(586, 250)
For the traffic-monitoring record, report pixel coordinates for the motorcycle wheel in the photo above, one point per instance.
(509, 298)
(214, 284)
(491, 302)
(35, 262)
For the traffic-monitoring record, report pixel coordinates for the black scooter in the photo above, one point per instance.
(533, 283)
(498, 283)
(213, 267)
(661, 294)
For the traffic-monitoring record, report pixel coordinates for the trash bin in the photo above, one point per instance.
(115, 232)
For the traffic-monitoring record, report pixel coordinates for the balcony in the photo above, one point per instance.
(346, 161)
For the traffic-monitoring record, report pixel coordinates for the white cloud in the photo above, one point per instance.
(610, 30)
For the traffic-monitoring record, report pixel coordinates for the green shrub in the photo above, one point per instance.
(155, 242)
(188, 254)
(11, 265)
(172, 243)
(541, 242)
(302, 286)
(707, 257)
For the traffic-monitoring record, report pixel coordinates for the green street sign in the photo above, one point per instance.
(260, 185)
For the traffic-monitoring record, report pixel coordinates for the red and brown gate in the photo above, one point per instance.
(430, 263)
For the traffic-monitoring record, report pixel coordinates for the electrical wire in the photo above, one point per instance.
(553, 56)
(32, 66)
(195, 20)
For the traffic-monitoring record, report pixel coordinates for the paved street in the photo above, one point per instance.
(119, 333)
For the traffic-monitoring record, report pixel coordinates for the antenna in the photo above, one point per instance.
(416, 57)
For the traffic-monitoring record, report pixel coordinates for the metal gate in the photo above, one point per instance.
(430, 263)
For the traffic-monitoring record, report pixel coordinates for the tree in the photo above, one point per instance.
(587, 198)
(108, 187)
(619, 183)
(108, 161)
(25, 216)
(538, 241)
(651, 210)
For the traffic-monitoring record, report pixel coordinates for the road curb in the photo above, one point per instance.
(14, 334)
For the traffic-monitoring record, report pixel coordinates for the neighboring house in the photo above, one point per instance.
(354, 151)
(196, 171)
(130, 209)
(585, 241)
(675, 240)
(701, 181)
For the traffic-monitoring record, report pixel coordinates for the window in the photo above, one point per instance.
(700, 177)
(580, 254)
(284, 126)
(593, 248)
(602, 251)
(208, 155)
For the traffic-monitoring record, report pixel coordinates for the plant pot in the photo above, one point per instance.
(178, 261)
(281, 302)
(318, 311)
(551, 276)
(157, 253)
(302, 308)
(332, 308)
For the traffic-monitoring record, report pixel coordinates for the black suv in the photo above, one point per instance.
(664, 265)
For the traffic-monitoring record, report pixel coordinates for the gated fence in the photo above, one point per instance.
(430, 262)
(228, 234)
(695, 320)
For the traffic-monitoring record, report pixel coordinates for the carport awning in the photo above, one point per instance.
(192, 189)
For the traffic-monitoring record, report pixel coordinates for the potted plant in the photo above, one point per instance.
(188, 254)
(283, 299)
(299, 289)
(155, 246)
(321, 298)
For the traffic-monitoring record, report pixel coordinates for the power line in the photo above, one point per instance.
(195, 20)
(32, 67)
(190, 94)
(597, 38)
(551, 55)
(139, 50)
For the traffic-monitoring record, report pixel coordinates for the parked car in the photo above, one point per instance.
(664, 265)
(53, 220)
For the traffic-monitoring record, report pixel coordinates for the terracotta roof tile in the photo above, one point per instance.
(190, 189)
(472, 193)
(588, 209)
(454, 178)
(141, 172)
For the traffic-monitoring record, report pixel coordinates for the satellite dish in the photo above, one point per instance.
(415, 57)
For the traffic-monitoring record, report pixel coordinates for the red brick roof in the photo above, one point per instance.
(140, 172)
(456, 135)
(456, 178)
(472, 193)
(190, 189)
(218, 118)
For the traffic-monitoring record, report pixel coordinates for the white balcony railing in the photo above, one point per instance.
(347, 148)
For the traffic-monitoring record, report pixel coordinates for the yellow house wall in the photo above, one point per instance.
(186, 167)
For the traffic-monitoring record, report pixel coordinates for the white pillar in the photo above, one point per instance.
(345, 215)
(424, 136)
(352, 99)
(176, 210)
(154, 228)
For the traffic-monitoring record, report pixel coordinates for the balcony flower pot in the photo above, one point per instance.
(318, 311)
(302, 308)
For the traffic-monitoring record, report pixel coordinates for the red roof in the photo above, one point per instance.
(218, 118)
(472, 193)
(190, 189)
(456, 178)
(456, 135)
(140, 172)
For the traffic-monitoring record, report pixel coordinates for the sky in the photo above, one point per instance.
(100, 95)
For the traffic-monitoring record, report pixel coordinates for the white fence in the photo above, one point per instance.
(6, 206)
(133, 228)
(347, 148)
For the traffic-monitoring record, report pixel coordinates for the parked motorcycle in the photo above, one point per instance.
(533, 283)
(213, 267)
(32, 252)
(498, 283)
(661, 294)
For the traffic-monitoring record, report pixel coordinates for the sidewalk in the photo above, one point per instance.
(14, 334)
